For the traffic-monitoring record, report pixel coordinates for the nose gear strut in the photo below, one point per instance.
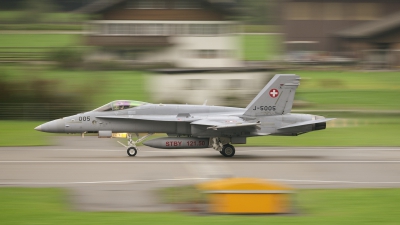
(132, 148)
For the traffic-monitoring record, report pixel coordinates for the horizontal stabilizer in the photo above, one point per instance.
(306, 123)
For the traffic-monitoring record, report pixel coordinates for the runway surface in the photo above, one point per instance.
(100, 175)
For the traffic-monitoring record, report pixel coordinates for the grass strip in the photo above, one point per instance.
(350, 206)
(41, 27)
(261, 47)
(22, 133)
(20, 41)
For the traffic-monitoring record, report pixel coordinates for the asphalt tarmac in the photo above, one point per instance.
(101, 177)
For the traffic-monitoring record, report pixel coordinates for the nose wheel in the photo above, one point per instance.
(228, 150)
(132, 151)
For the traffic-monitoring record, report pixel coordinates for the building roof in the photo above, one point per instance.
(373, 28)
(101, 5)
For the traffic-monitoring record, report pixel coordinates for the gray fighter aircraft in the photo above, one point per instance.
(197, 126)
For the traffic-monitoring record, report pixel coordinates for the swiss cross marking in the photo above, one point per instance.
(273, 93)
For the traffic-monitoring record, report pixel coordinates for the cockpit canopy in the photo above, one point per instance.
(119, 105)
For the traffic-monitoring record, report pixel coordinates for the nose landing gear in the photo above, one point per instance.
(132, 151)
(132, 148)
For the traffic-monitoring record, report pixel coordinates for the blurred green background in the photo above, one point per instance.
(43, 77)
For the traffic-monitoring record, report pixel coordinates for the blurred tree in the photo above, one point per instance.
(63, 5)
(36, 98)
(34, 10)
(257, 12)
(67, 58)
(11, 5)
(70, 5)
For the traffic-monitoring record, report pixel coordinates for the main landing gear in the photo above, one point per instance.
(222, 145)
(132, 148)
(228, 150)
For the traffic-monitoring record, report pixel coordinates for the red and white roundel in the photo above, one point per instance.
(273, 93)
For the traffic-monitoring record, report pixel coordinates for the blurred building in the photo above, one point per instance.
(222, 86)
(194, 41)
(363, 29)
(183, 33)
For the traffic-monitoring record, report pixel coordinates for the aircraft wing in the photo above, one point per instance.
(306, 123)
(165, 118)
(226, 124)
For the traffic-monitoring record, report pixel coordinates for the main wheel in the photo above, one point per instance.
(228, 150)
(131, 151)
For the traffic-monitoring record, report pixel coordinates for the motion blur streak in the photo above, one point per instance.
(61, 58)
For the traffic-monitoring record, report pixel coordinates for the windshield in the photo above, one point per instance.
(119, 105)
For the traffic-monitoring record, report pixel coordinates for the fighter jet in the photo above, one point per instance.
(197, 126)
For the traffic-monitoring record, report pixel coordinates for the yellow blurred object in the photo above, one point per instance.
(119, 135)
(247, 196)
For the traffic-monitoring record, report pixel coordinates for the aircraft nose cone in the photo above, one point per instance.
(55, 126)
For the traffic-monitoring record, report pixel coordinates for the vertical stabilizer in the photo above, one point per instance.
(276, 98)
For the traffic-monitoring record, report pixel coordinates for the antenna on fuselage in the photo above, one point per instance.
(205, 102)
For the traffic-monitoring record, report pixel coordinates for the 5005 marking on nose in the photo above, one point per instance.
(84, 118)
